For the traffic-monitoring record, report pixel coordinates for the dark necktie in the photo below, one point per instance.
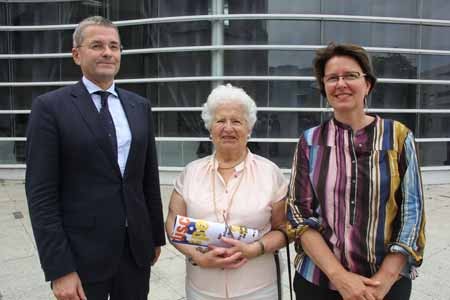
(107, 120)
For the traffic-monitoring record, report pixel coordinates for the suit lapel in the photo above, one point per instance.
(83, 101)
(131, 112)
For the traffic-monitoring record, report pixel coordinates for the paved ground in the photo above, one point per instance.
(21, 277)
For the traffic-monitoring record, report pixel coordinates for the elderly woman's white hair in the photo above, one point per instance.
(228, 94)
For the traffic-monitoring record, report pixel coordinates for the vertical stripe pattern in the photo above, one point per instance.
(362, 191)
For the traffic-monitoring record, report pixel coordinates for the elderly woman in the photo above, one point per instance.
(355, 198)
(232, 186)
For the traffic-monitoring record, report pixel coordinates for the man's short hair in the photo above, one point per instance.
(77, 38)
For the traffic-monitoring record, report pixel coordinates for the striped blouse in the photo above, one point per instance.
(362, 191)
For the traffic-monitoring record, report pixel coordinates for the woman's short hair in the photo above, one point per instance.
(78, 34)
(223, 94)
(355, 52)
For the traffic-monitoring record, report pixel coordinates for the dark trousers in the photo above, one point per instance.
(129, 282)
(305, 290)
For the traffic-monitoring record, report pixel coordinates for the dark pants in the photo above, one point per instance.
(129, 282)
(305, 290)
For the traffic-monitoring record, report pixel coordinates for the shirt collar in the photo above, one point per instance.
(213, 162)
(92, 87)
(348, 127)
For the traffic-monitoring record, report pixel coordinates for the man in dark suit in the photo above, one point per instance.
(92, 178)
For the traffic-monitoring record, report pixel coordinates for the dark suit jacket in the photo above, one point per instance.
(77, 198)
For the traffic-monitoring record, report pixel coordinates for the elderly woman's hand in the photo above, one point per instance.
(248, 250)
(217, 257)
(352, 286)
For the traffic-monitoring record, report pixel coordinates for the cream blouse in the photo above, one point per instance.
(263, 184)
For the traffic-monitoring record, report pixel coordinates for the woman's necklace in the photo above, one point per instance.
(225, 213)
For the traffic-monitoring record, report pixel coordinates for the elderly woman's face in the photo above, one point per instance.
(230, 128)
(345, 84)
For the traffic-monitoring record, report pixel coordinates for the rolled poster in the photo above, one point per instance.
(202, 233)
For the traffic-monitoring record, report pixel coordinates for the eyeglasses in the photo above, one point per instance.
(100, 47)
(347, 77)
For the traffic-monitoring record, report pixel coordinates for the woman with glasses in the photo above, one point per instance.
(355, 199)
(235, 187)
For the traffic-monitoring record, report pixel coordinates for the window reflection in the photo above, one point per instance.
(395, 96)
(394, 65)
(434, 154)
(13, 125)
(435, 9)
(179, 124)
(12, 152)
(435, 67)
(435, 96)
(381, 8)
(432, 37)
(434, 125)
(371, 34)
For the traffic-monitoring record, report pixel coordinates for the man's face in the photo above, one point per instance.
(99, 54)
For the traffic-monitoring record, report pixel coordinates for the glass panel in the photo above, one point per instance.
(184, 64)
(281, 93)
(127, 10)
(432, 37)
(180, 94)
(23, 96)
(51, 13)
(44, 13)
(274, 7)
(434, 125)
(3, 14)
(42, 69)
(13, 125)
(434, 154)
(268, 125)
(5, 44)
(263, 63)
(4, 69)
(273, 32)
(293, 94)
(280, 153)
(135, 37)
(284, 124)
(179, 124)
(182, 34)
(382, 8)
(435, 67)
(371, 34)
(436, 9)
(435, 96)
(36, 42)
(170, 8)
(12, 152)
(179, 154)
(290, 63)
(394, 65)
(394, 96)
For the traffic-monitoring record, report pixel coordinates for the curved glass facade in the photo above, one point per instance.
(177, 50)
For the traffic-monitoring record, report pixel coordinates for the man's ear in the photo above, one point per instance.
(76, 55)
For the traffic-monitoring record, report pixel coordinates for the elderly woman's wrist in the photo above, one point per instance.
(257, 249)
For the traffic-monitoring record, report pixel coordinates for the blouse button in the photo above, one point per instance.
(360, 145)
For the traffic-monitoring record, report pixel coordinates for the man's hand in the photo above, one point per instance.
(68, 287)
(157, 254)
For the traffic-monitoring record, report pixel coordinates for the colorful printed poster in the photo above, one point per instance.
(203, 233)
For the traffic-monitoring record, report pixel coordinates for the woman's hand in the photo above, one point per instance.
(217, 257)
(248, 250)
(352, 286)
(385, 286)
